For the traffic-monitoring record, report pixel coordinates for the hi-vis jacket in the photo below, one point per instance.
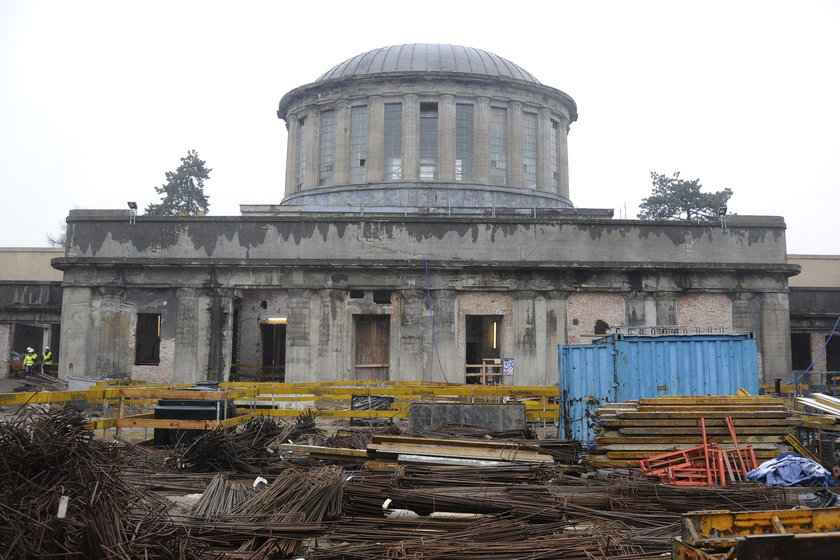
(29, 359)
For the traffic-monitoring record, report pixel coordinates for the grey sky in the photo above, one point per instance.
(99, 98)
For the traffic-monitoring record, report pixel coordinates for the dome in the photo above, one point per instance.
(424, 57)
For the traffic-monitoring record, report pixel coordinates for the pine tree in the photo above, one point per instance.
(183, 193)
(673, 198)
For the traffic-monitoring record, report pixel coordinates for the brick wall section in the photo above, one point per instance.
(584, 310)
(704, 310)
(163, 372)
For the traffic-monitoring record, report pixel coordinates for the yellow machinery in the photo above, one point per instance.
(759, 535)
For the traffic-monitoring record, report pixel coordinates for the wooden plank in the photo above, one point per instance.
(768, 430)
(619, 423)
(665, 447)
(665, 415)
(683, 439)
(183, 394)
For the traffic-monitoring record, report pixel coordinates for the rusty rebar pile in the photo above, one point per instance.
(243, 450)
(62, 494)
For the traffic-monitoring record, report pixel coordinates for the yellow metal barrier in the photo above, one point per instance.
(323, 395)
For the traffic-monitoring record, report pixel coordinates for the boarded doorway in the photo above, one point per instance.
(484, 349)
(273, 352)
(372, 341)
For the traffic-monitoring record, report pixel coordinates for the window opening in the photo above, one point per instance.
(382, 296)
(301, 154)
(529, 150)
(392, 138)
(832, 354)
(554, 160)
(498, 146)
(428, 141)
(147, 339)
(327, 148)
(484, 349)
(358, 143)
(800, 351)
(357, 294)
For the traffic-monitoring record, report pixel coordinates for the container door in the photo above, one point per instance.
(587, 380)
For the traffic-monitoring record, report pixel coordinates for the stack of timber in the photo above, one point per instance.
(634, 430)
(453, 451)
(827, 406)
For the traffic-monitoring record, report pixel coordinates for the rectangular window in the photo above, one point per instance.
(498, 146)
(554, 160)
(392, 138)
(529, 150)
(301, 154)
(147, 340)
(428, 141)
(464, 143)
(358, 143)
(800, 351)
(327, 149)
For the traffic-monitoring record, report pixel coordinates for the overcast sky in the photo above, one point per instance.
(98, 99)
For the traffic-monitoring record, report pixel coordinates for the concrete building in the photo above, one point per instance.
(30, 301)
(426, 233)
(814, 313)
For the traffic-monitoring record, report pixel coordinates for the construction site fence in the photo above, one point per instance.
(119, 401)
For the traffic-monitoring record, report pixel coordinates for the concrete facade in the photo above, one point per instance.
(30, 301)
(427, 232)
(814, 316)
(551, 281)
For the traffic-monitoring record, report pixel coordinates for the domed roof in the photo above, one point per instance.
(424, 57)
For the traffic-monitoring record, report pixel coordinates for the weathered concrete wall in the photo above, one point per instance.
(455, 240)
(552, 280)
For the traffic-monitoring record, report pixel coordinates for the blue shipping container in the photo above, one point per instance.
(622, 368)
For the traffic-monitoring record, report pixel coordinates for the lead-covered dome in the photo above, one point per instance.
(426, 128)
(426, 57)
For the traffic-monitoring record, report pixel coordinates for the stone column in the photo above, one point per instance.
(481, 142)
(515, 144)
(528, 322)
(298, 343)
(292, 127)
(446, 139)
(187, 337)
(341, 172)
(774, 343)
(410, 137)
(376, 129)
(563, 157)
(313, 121)
(544, 149)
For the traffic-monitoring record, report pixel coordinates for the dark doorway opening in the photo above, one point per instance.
(483, 345)
(373, 334)
(800, 351)
(273, 352)
(147, 340)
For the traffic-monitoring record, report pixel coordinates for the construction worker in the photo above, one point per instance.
(47, 361)
(29, 360)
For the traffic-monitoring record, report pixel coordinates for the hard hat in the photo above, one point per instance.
(46, 347)
(30, 349)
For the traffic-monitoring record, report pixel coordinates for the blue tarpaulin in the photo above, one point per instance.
(789, 469)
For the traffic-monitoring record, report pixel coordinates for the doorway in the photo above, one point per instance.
(273, 352)
(483, 346)
(372, 347)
